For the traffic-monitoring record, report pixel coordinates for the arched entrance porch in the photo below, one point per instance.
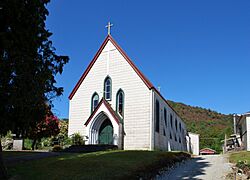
(103, 130)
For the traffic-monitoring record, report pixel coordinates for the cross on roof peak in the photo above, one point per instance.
(109, 27)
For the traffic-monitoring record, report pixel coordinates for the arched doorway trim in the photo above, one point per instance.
(103, 111)
(96, 124)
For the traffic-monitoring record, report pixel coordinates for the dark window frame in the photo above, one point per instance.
(165, 117)
(171, 120)
(157, 116)
(176, 124)
(92, 101)
(105, 93)
(120, 91)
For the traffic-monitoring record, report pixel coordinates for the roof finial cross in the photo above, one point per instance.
(109, 27)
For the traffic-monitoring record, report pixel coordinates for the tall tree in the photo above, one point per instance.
(28, 66)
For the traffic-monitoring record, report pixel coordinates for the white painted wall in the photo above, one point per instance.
(137, 98)
(139, 106)
(241, 123)
(195, 143)
(248, 132)
(165, 142)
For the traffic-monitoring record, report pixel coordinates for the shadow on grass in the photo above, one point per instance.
(99, 165)
(15, 158)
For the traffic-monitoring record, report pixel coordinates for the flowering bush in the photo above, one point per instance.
(47, 128)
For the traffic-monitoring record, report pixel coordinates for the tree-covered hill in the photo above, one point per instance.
(211, 125)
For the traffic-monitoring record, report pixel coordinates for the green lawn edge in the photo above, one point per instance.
(235, 157)
(98, 165)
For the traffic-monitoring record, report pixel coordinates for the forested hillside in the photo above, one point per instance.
(211, 125)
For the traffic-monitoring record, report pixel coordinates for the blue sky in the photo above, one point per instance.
(198, 52)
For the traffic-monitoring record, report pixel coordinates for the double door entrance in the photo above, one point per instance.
(106, 133)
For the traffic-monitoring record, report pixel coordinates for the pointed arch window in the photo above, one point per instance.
(157, 116)
(176, 124)
(171, 120)
(120, 102)
(94, 101)
(107, 88)
(165, 117)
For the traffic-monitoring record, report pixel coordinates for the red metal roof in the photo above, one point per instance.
(208, 151)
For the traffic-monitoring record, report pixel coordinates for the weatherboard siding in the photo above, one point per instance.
(137, 98)
(164, 142)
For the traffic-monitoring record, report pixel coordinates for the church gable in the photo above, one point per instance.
(109, 45)
(111, 61)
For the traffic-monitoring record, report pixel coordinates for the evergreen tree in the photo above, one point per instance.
(28, 66)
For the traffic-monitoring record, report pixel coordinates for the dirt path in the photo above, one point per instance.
(211, 167)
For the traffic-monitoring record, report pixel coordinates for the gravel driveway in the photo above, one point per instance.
(210, 167)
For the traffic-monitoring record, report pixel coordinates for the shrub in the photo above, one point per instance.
(46, 128)
(46, 142)
(7, 141)
(243, 165)
(77, 139)
(62, 138)
(27, 144)
(56, 148)
(67, 141)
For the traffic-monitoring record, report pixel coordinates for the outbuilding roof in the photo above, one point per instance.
(207, 149)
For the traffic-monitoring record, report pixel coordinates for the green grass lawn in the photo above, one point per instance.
(98, 165)
(240, 156)
(242, 161)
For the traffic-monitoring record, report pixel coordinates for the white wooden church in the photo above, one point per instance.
(114, 103)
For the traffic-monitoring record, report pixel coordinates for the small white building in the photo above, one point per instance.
(114, 103)
(193, 141)
(242, 128)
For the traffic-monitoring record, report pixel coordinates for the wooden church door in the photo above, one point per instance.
(106, 133)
